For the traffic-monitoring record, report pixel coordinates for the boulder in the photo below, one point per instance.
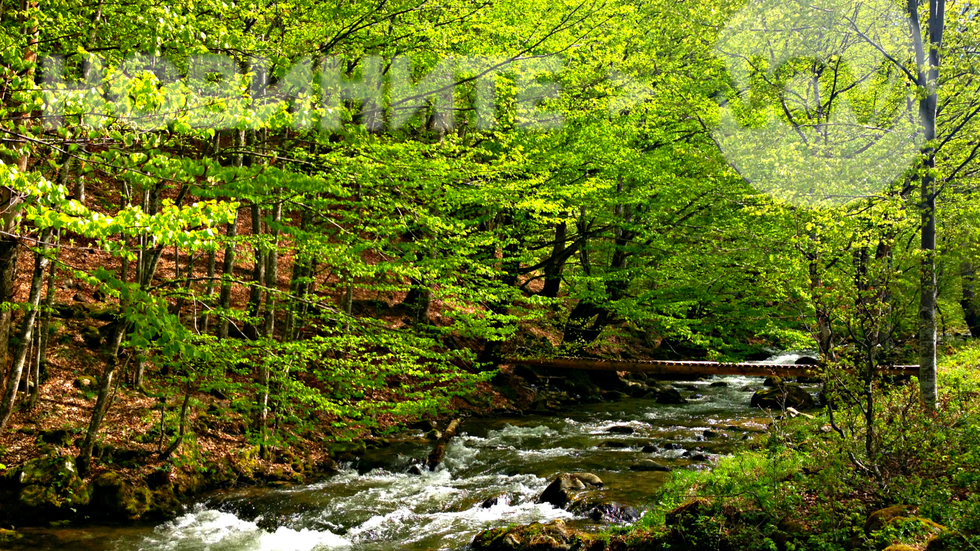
(116, 498)
(719, 384)
(50, 488)
(649, 465)
(554, 536)
(880, 518)
(495, 500)
(566, 487)
(670, 396)
(85, 382)
(614, 513)
(621, 429)
(789, 395)
(650, 448)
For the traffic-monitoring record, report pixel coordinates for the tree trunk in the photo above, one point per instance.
(553, 271)
(10, 245)
(928, 62)
(971, 310)
(228, 265)
(26, 336)
(84, 460)
(258, 273)
(45, 330)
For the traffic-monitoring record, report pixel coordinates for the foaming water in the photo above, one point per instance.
(491, 477)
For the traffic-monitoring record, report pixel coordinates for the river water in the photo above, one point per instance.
(374, 504)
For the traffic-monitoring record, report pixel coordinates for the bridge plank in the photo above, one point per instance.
(695, 367)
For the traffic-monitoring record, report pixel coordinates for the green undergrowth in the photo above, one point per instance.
(822, 483)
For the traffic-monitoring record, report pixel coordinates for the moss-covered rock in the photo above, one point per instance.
(878, 519)
(86, 382)
(788, 395)
(50, 488)
(554, 536)
(899, 547)
(114, 497)
(9, 536)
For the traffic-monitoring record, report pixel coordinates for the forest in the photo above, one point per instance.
(247, 242)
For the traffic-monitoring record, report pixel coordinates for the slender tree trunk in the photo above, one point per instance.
(298, 282)
(26, 336)
(45, 331)
(209, 292)
(228, 265)
(84, 460)
(928, 62)
(268, 328)
(258, 272)
(10, 246)
(182, 425)
(971, 310)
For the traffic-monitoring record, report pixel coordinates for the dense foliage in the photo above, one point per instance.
(339, 212)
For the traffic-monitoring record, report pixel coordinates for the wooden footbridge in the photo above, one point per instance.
(691, 368)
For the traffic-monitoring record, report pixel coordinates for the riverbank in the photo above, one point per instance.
(819, 483)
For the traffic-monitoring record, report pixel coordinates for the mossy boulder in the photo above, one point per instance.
(899, 547)
(554, 536)
(50, 487)
(55, 437)
(86, 382)
(785, 396)
(9, 536)
(114, 497)
(878, 519)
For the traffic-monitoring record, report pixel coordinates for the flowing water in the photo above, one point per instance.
(374, 504)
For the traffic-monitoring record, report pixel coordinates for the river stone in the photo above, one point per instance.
(789, 395)
(649, 465)
(621, 429)
(554, 536)
(712, 434)
(495, 500)
(673, 446)
(564, 488)
(719, 384)
(670, 396)
(614, 444)
(614, 512)
(650, 448)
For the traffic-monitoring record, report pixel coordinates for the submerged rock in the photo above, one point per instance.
(649, 465)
